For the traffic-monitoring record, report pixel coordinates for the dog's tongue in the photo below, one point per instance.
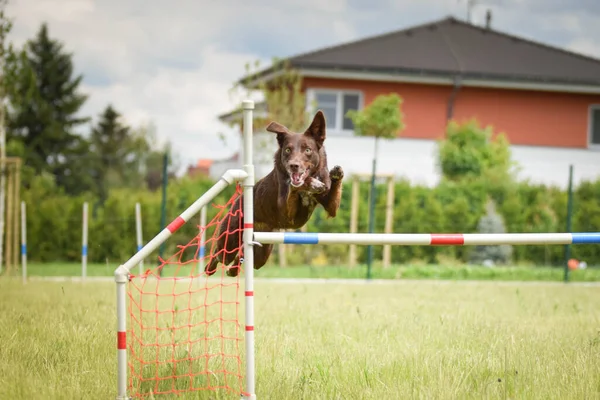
(296, 178)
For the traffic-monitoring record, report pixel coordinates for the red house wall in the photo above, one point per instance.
(526, 117)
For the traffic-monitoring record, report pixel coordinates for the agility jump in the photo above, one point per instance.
(179, 333)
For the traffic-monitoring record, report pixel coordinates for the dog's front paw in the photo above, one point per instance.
(336, 173)
(316, 186)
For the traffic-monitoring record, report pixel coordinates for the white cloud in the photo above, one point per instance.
(586, 46)
(344, 31)
(184, 105)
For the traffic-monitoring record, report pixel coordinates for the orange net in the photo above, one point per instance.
(184, 333)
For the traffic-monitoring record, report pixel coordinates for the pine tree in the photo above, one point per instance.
(491, 222)
(43, 110)
(114, 152)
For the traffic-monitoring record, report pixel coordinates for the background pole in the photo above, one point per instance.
(84, 241)
(372, 210)
(138, 231)
(23, 242)
(569, 219)
(163, 207)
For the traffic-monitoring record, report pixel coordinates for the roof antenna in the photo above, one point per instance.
(488, 19)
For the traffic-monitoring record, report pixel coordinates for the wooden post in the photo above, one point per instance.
(389, 220)
(12, 168)
(17, 211)
(9, 219)
(354, 218)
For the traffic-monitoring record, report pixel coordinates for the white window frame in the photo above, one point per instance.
(591, 109)
(334, 127)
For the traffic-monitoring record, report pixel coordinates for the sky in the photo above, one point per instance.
(173, 64)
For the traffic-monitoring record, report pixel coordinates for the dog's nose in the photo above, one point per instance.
(294, 166)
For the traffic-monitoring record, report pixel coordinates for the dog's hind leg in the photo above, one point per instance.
(224, 255)
(234, 270)
(226, 248)
(261, 255)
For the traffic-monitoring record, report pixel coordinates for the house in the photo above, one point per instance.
(202, 167)
(546, 99)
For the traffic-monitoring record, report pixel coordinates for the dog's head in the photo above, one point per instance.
(300, 154)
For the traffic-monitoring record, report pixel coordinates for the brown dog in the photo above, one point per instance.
(287, 196)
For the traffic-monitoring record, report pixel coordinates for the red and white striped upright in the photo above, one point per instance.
(122, 272)
(248, 211)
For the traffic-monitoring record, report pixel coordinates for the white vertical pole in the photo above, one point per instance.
(248, 237)
(84, 241)
(23, 241)
(121, 279)
(138, 229)
(3, 171)
(202, 243)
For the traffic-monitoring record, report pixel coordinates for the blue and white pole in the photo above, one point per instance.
(84, 241)
(202, 240)
(138, 231)
(428, 239)
(24, 241)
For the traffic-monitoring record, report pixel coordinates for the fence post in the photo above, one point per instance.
(163, 207)
(138, 231)
(372, 210)
(23, 242)
(84, 241)
(569, 217)
(389, 221)
(354, 217)
(202, 244)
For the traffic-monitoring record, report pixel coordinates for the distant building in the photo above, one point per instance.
(202, 167)
(546, 99)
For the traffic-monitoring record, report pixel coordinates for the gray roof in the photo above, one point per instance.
(451, 47)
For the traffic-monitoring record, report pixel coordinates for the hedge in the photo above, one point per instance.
(54, 220)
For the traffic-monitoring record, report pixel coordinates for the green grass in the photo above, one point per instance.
(411, 339)
(450, 272)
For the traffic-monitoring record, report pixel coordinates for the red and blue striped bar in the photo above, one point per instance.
(428, 239)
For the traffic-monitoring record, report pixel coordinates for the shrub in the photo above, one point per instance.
(491, 222)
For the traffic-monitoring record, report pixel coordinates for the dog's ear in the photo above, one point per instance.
(316, 130)
(280, 130)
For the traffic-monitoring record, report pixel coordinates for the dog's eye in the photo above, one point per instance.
(308, 150)
(287, 150)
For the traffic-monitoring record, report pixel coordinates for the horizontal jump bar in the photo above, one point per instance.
(427, 239)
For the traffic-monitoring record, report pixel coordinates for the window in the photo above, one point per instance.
(594, 126)
(335, 104)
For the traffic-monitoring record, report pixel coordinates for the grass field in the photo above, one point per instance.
(402, 340)
(453, 272)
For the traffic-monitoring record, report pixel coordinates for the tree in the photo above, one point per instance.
(111, 149)
(382, 118)
(491, 222)
(150, 153)
(44, 103)
(125, 157)
(282, 100)
(469, 151)
(5, 49)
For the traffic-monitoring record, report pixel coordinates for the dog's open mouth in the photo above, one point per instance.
(297, 178)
